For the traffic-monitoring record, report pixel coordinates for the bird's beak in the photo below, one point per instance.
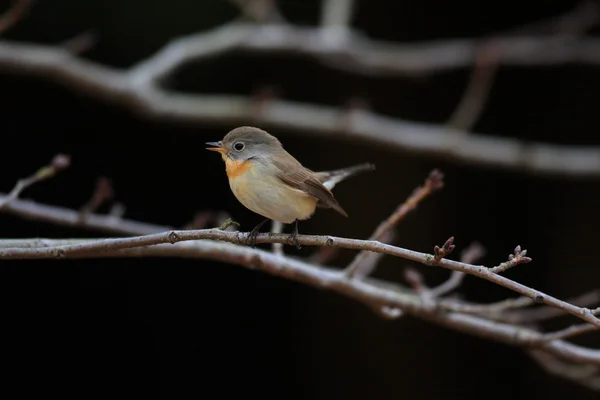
(216, 146)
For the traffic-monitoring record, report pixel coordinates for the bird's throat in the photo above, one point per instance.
(236, 168)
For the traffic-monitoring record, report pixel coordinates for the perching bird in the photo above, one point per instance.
(271, 182)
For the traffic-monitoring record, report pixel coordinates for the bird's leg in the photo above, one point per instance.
(254, 233)
(294, 236)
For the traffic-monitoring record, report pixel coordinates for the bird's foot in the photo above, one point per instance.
(293, 238)
(251, 240)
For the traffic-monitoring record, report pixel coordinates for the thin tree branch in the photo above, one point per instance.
(480, 84)
(472, 103)
(473, 253)
(369, 260)
(138, 88)
(517, 258)
(103, 191)
(434, 182)
(106, 245)
(58, 163)
(569, 332)
(110, 224)
(335, 280)
(539, 314)
(585, 375)
(490, 310)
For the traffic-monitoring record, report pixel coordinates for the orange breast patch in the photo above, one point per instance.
(236, 168)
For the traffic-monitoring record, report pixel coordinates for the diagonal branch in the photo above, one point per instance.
(58, 163)
(433, 183)
(89, 246)
(325, 278)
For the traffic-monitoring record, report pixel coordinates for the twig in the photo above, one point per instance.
(489, 310)
(204, 219)
(585, 375)
(80, 43)
(370, 260)
(470, 255)
(480, 84)
(14, 14)
(323, 255)
(518, 257)
(58, 163)
(472, 103)
(539, 314)
(434, 182)
(103, 192)
(31, 210)
(105, 245)
(138, 88)
(569, 332)
(416, 281)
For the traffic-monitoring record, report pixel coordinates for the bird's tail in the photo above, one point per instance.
(331, 178)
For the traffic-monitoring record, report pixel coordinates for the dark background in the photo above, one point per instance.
(172, 328)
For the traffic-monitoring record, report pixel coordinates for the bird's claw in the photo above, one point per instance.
(251, 240)
(293, 239)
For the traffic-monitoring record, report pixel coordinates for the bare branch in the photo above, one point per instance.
(204, 219)
(491, 310)
(472, 103)
(31, 210)
(14, 14)
(569, 332)
(323, 255)
(369, 260)
(316, 276)
(535, 315)
(480, 84)
(102, 193)
(138, 89)
(80, 43)
(87, 246)
(58, 163)
(434, 182)
(470, 255)
(585, 375)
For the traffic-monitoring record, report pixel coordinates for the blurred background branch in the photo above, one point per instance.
(140, 89)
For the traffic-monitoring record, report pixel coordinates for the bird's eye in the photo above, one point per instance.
(239, 146)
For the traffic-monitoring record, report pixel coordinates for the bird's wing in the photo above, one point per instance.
(303, 179)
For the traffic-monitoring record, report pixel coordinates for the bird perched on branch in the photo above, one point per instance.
(268, 180)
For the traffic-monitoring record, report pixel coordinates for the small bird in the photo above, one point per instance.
(268, 180)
